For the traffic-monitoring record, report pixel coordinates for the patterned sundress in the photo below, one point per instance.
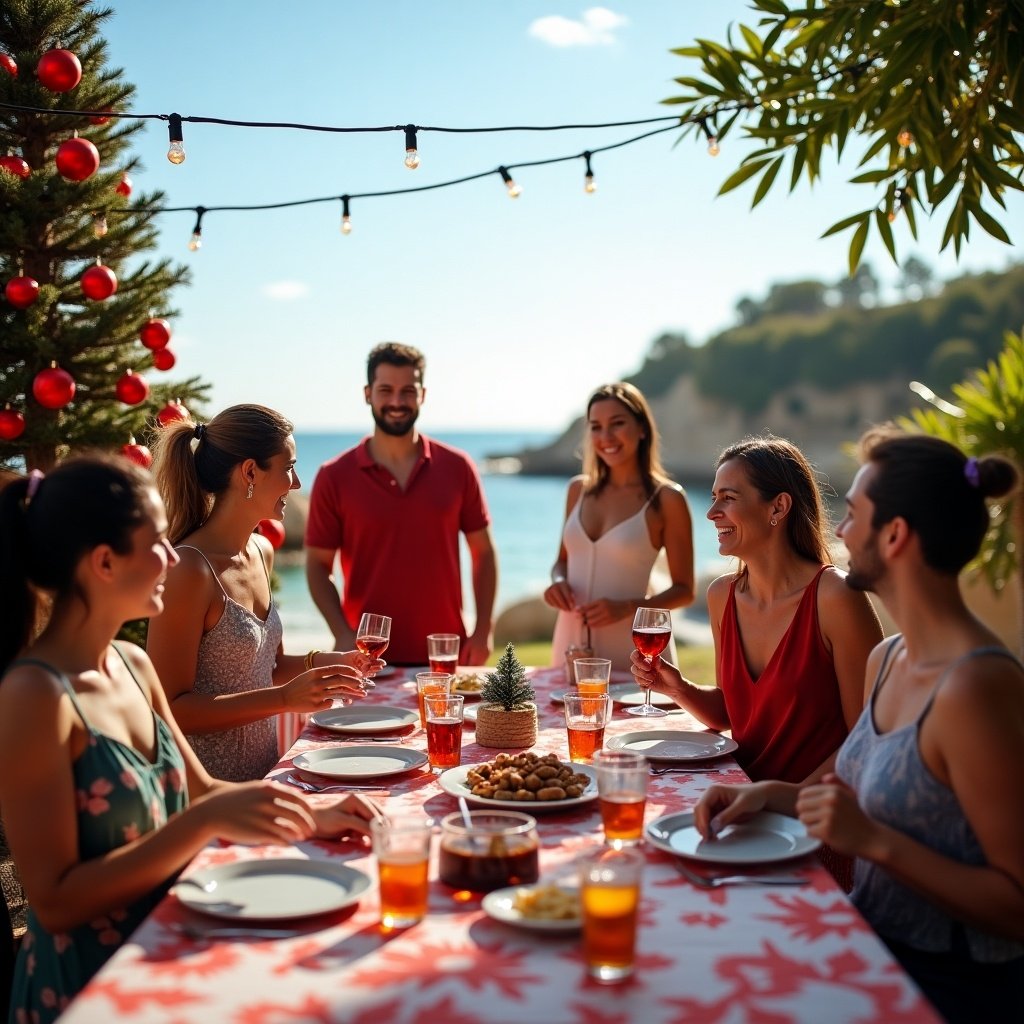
(120, 796)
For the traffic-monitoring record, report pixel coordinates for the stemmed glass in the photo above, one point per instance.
(373, 634)
(652, 630)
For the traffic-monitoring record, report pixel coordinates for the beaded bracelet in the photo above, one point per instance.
(309, 658)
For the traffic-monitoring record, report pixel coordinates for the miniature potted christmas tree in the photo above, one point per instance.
(508, 710)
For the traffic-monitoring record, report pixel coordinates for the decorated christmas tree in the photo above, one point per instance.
(84, 317)
(507, 684)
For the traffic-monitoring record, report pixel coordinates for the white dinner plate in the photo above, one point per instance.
(623, 693)
(761, 839)
(279, 888)
(365, 719)
(453, 782)
(359, 762)
(673, 744)
(470, 713)
(501, 905)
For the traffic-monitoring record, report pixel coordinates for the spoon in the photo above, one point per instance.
(207, 886)
(475, 841)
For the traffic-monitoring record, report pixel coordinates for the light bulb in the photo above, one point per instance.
(176, 152)
(99, 225)
(412, 159)
(196, 241)
(346, 225)
(588, 184)
(713, 148)
(514, 191)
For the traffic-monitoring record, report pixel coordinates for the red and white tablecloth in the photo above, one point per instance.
(735, 955)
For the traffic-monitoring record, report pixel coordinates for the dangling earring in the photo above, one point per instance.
(771, 522)
(248, 493)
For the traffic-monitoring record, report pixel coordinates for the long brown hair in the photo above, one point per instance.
(776, 466)
(652, 473)
(190, 476)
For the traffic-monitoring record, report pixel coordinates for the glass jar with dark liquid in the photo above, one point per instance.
(500, 849)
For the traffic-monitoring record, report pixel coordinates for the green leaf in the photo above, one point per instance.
(860, 236)
(885, 231)
(842, 225)
(766, 182)
(740, 175)
(753, 40)
(990, 224)
(872, 177)
(799, 157)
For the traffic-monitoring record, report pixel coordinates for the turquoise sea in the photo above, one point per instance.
(526, 512)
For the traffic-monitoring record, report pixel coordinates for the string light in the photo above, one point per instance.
(196, 241)
(588, 179)
(514, 191)
(99, 224)
(713, 148)
(412, 158)
(346, 220)
(176, 150)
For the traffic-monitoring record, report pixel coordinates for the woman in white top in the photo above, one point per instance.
(620, 513)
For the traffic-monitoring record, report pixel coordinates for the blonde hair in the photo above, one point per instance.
(652, 473)
(189, 478)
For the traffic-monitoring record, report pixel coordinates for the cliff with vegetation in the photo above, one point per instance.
(813, 362)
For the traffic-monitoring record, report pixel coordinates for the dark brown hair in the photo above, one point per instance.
(395, 354)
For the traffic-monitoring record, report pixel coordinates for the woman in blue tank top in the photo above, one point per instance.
(929, 785)
(86, 732)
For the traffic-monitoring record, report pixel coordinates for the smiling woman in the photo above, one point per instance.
(218, 649)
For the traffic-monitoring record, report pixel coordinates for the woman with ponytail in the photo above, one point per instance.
(104, 802)
(218, 647)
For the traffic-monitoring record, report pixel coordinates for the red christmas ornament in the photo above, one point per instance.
(15, 165)
(137, 453)
(273, 531)
(22, 291)
(12, 424)
(155, 333)
(171, 412)
(9, 64)
(132, 388)
(77, 159)
(99, 283)
(53, 388)
(59, 70)
(164, 359)
(99, 118)
(124, 186)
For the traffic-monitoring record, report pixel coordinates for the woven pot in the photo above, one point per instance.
(496, 727)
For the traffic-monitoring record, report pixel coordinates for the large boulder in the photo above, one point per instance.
(524, 621)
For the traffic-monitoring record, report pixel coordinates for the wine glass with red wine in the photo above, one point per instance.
(373, 634)
(652, 631)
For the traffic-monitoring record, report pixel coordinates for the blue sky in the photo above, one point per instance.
(521, 306)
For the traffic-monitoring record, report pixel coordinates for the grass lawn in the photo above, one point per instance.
(696, 663)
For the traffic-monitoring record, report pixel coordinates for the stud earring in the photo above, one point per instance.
(248, 493)
(772, 522)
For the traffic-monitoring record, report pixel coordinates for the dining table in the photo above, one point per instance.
(735, 954)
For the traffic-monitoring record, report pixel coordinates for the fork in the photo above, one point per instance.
(193, 931)
(715, 882)
(309, 787)
(678, 769)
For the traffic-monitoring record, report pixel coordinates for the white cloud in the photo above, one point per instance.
(286, 291)
(595, 28)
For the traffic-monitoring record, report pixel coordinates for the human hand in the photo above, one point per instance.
(656, 675)
(559, 595)
(314, 689)
(603, 612)
(477, 648)
(362, 663)
(830, 812)
(255, 812)
(722, 805)
(343, 815)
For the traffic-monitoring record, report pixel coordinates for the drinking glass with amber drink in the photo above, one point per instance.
(491, 850)
(444, 730)
(592, 675)
(443, 652)
(585, 719)
(621, 794)
(373, 634)
(652, 631)
(402, 848)
(431, 684)
(610, 897)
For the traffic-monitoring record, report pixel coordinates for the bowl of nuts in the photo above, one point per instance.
(529, 782)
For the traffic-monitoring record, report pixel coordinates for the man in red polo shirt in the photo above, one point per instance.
(394, 506)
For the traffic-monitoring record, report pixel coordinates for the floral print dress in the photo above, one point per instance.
(120, 796)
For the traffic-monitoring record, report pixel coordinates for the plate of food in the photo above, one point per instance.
(468, 684)
(561, 786)
(674, 744)
(762, 838)
(543, 907)
(272, 889)
(359, 762)
(365, 719)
